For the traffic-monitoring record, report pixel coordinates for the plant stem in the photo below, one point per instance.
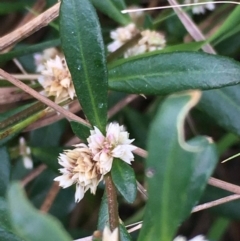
(112, 202)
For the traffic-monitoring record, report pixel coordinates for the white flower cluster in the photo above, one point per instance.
(201, 9)
(150, 40)
(197, 238)
(56, 80)
(86, 165)
(41, 58)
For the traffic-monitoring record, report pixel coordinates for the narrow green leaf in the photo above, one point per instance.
(124, 179)
(124, 235)
(4, 220)
(30, 224)
(172, 72)
(4, 170)
(175, 169)
(222, 105)
(29, 50)
(80, 130)
(229, 24)
(85, 55)
(113, 8)
(6, 233)
(8, 236)
(103, 218)
(202, 170)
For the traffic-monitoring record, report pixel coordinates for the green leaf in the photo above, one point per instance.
(103, 217)
(222, 105)
(124, 235)
(29, 50)
(85, 55)
(5, 223)
(228, 25)
(4, 170)
(124, 179)
(4, 220)
(175, 169)
(30, 224)
(80, 130)
(172, 72)
(8, 236)
(113, 8)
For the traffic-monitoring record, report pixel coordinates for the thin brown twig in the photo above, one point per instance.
(52, 194)
(52, 117)
(29, 28)
(224, 185)
(33, 174)
(191, 27)
(216, 202)
(42, 98)
(24, 76)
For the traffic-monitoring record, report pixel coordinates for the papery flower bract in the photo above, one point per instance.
(110, 236)
(41, 58)
(116, 144)
(150, 40)
(201, 9)
(121, 36)
(79, 168)
(25, 153)
(197, 238)
(56, 80)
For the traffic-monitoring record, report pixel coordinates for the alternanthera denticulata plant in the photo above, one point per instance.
(104, 162)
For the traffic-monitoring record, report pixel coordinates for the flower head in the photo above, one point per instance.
(116, 144)
(150, 40)
(56, 80)
(79, 168)
(41, 58)
(121, 35)
(201, 9)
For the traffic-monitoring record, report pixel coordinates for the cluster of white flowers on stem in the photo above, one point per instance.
(197, 238)
(150, 40)
(86, 165)
(201, 9)
(56, 80)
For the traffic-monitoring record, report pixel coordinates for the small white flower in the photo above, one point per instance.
(121, 36)
(79, 168)
(150, 41)
(110, 236)
(116, 144)
(197, 238)
(41, 58)
(25, 153)
(56, 80)
(201, 9)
